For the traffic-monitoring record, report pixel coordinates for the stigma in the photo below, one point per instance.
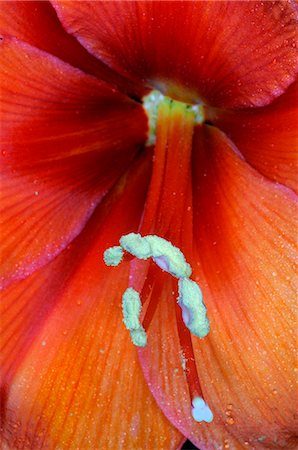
(201, 411)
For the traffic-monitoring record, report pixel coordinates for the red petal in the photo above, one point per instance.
(245, 235)
(267, 137)
(36, 23)
(231, 54)
(66, 137)
(78, 383)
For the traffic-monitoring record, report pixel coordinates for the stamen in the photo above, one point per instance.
(193, 309)
(139, 337)
(113, 256)
(131, 307)
(136, 245)
(168, 257)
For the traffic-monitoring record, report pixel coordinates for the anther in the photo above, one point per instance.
(131, 308)
(113, 256)
(168, 257)
(136, 245)
(193, 309)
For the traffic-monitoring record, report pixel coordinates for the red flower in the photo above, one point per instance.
(77, 175)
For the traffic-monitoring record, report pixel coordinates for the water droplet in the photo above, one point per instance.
(274, 391)
(79, 302)
(65, 332)
(230, 421)
(43, 343)
(36, 193)
(226, 444)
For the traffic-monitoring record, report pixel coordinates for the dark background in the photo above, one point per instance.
(188, 446)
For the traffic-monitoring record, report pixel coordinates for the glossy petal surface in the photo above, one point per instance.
(64, 142)
(76, 382)
(244, 260)
(226, 53)
(267, 137)
(36, 23)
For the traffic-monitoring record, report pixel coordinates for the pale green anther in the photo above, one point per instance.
(193, 309)
(168, 257)
(136, 245)
(131, 307)
(113, 256)
(139, 337)
(165, 255)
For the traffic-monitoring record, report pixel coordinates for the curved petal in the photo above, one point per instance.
(65, 138)
(36, 23)
(227, 53)
(267, 137)
(245, 237)
(78, 383)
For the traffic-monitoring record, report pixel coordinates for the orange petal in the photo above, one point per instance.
(36, 23)
(65, 138)
(245, 236)
(267, 137)
(76, 382)
(229, 54)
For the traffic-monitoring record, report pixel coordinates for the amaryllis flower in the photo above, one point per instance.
(169, 127)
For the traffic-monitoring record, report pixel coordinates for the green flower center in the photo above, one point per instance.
(151, 104)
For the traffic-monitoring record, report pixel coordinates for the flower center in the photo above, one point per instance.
(165, 237)
(151, 103)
